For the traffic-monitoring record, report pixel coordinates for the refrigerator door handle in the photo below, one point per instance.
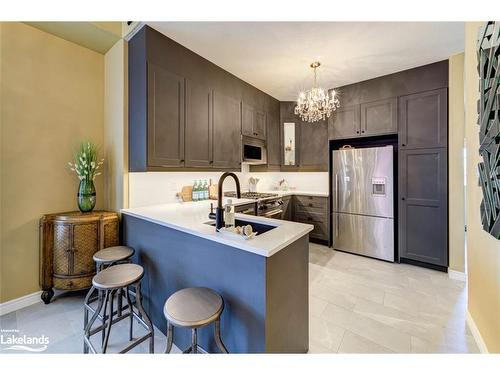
(336, 192)
(336, 205)
(337, 226)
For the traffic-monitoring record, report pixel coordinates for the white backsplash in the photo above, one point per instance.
(149, 188)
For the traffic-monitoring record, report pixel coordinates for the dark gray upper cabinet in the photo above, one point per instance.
(247, 119)
(253, 122)
(165, 118)
(184, 111)
(313, 145)
(344, 122)
(423, 119)
(199, 126)
(379, 117)
(273, 140)
(423, 205)
(304, 146)
(227, 132)
(260, 124)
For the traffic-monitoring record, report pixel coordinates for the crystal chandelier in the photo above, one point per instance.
(316, 104)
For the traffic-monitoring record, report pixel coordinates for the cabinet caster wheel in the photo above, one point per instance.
(47, 296)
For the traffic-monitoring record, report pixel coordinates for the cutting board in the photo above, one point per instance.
(212, 191)
(187, 193)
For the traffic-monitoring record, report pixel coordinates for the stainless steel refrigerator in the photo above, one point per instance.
(363, 201)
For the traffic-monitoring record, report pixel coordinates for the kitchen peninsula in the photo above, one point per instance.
(263, 280)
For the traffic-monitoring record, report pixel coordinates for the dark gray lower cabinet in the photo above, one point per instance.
(423, 205)
(312, 210)
(165, 118)
(287, 208)
(199, 139)
(227, 132)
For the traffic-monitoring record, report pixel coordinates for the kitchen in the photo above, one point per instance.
(306, 227)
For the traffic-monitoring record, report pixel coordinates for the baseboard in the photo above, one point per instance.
(457, 275)
(19, 303)
(476, 334)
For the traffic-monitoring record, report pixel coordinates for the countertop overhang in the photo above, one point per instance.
(191, 217)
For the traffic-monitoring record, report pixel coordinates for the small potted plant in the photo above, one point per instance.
(86, 168)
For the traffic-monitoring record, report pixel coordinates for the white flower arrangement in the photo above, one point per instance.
(86, 164)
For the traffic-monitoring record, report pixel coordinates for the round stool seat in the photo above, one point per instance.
(113, 254)
(118, 276)
(193, 307)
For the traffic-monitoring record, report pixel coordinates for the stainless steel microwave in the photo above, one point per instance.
(254, 151)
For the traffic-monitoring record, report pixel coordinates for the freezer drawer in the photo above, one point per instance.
(366, 235)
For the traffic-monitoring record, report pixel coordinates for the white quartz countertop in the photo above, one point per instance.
(191, 217)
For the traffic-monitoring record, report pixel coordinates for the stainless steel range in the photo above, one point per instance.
(267, 204)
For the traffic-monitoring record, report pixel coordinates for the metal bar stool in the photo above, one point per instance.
(105, 258)
(108, 282)
(194, 308)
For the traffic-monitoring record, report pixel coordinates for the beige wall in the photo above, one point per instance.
(456, 135)
(483, 251)
(115, 127)
(52, 95)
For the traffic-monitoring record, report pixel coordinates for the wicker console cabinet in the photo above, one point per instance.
(67, 243)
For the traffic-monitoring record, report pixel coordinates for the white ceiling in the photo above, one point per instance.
(275, 56)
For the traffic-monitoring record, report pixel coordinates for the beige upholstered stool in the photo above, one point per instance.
(108, 282)
(105, 258)
(193, 308)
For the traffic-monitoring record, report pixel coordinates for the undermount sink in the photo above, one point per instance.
(257, 227)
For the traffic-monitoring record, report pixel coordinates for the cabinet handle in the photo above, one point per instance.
(403, 198)
(362, 131)
(182, 160)
(403, 145)
(357, 131)
(211, 162)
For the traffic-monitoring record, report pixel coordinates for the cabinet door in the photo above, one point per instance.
(313, 145)
(247, 120)
(344, 122)
(273, 140)
(423, 206)
(165, 118)
(85, 244)
(259, 129)
(287, 208)
(379, 117)
(198, 125)
(423, 119)
(62, 249)
(227, 132)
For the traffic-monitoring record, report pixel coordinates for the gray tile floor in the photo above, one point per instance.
(362, 305)
(357, 305)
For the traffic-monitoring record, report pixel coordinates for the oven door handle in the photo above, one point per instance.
(273, 213)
